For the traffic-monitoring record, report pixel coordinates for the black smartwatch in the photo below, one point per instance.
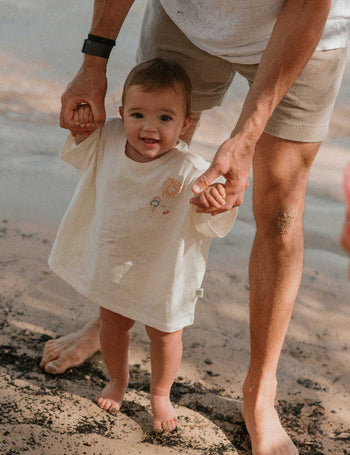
(98, 46)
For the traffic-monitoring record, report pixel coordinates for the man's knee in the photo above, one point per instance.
(284, 220)
(279, 221)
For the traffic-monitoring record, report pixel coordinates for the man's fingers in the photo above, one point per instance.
(67, 114)
(205, 180)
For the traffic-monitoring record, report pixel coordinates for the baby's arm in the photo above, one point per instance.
(212, 197)
(83, 117)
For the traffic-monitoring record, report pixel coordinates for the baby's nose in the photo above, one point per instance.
(150, 125)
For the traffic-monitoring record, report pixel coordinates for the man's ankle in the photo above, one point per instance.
(258, 391)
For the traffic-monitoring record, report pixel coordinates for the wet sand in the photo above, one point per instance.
(44, 414)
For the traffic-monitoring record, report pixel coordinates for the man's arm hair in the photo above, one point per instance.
(109, 16)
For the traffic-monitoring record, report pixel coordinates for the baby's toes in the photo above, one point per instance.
(170, 425)
(157, 426)
(107, 404)
(102, 402)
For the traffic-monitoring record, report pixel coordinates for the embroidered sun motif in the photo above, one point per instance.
(170, 188)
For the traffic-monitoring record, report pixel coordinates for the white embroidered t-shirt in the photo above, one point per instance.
(239, 30)
(130, 240)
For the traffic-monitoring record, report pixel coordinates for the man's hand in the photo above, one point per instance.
(88, 87)
(233, 161)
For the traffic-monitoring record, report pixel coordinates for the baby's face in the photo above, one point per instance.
(153, 121)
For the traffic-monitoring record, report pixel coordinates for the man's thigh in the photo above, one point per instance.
(160, 37)
(304, 113)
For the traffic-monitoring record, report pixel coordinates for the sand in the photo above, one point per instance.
(45, 414)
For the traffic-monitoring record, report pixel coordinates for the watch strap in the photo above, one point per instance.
(98, 46)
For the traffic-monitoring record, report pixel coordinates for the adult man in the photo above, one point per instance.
(273, 45)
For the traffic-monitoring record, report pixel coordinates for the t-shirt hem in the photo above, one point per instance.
(75, 283)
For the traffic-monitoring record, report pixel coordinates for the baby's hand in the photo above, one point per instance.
(84, 119)
(212, 197)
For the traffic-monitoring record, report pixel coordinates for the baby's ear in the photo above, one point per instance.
(186, 124)
(121, 112)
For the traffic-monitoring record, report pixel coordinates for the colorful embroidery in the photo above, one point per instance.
(155, 201)
(170, 188)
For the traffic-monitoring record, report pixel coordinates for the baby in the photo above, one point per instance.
(130, 240)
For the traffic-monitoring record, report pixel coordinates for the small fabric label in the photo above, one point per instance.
(199, 292)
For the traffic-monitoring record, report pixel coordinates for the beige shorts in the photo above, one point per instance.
(304, 113)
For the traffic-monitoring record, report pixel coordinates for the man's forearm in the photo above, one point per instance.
(108, 18)
(295, 36)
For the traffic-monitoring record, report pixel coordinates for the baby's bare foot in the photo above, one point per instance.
(266, 433)
(164, 417)
(111, 397)
(71, 350)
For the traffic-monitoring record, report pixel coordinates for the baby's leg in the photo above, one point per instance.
(115, 339)
(166, 353)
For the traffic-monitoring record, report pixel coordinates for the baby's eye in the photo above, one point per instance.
(137, 115)
(165, 118)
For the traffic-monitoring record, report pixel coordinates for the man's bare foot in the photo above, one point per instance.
(71, 350)
(267, 436)
(111, 397)
(164, 417)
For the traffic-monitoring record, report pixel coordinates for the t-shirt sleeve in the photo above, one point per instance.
(214, 226)
(79, 156)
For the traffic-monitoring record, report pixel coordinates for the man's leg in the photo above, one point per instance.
(281, 170)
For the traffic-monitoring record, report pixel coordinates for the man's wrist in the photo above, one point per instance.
(92, 62)
(98, 46)
(251, 123)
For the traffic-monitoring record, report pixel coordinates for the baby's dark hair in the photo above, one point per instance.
(157, 74)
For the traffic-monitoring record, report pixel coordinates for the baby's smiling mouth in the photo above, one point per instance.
(149, 140)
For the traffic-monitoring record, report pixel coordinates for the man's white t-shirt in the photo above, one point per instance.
(130, 239)
(239, 30)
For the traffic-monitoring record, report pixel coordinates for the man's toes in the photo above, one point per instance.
(55, 367)
(47, 356)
